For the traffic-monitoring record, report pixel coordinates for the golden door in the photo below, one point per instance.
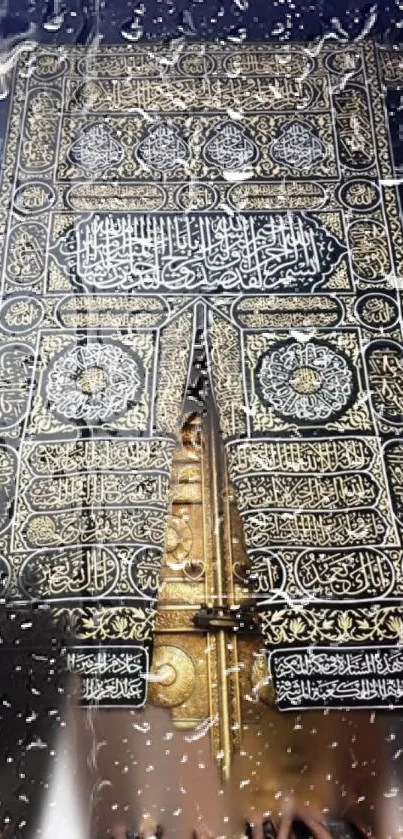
(206, 659)
(209, 668)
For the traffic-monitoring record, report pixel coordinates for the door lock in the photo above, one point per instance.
(227, 618)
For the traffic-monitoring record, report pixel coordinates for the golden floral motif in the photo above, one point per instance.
(372, 624)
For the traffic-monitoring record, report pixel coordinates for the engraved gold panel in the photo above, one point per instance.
(223, 666)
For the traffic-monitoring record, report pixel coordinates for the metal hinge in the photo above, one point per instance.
(227, 618)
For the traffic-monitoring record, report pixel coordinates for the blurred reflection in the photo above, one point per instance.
(32, 714)
(137, 770)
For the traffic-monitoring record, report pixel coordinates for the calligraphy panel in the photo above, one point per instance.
(257, 60)
(111, 677)
(279, 311)
(191, 253)
(354, 135)
(251, 94)
(337, 678)
(68, 575)
(385, 372)
(203, 147)
(325, 575)
(41, 127)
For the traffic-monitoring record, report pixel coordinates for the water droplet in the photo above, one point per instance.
(132, 30)
(186, 24)
(53, 18)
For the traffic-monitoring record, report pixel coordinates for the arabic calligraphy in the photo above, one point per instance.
(8, 476)
(309, 577)
(377, 311)
(287, 311)
(360, 195)
(81, 311)
(40, 129)
(321, 677)
(69, 574)
(16, 368)
(394, 467)
(300, 456)
(26, 253)
(309, 382)
(380, 661)
(141, 526)
(205, 92)
(144, 572)
(265, 530)
(391, 65)
(369, 250)
(21, 314)
(110, 675)
(297, 146)
(96, 148)
(196, 196)
(93, 382)
(306, 693)
(112, 64)
(78, 455)
(98, 490)
(211, 253)
(49, 66)
(255, 61)
(34, 198)
(277, 196)
(353, 124)
(266, 574)
(305, 492)
(230, 147)
(344, 61)
(361, 574)
(116, 196)
(385, 371)
(291, 63)
(162, 148)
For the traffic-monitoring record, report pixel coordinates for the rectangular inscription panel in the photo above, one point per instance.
(111, 676)
(315, 678)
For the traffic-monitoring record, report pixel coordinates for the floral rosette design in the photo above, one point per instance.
(306, 382)
(94, 383)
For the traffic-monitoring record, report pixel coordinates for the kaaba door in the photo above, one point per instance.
(210, 671)
(206, 663)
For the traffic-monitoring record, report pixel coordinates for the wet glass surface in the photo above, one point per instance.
(201, 408)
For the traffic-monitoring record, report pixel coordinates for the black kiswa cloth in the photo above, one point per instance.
(33, 690)
(117, 238)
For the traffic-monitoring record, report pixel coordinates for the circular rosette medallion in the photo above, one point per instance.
(94, 383)
(305, 382)
(178, 539)
(174, 674)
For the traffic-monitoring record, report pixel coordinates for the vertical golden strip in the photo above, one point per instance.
(235, 708)
(222, 677)
(209, 591)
